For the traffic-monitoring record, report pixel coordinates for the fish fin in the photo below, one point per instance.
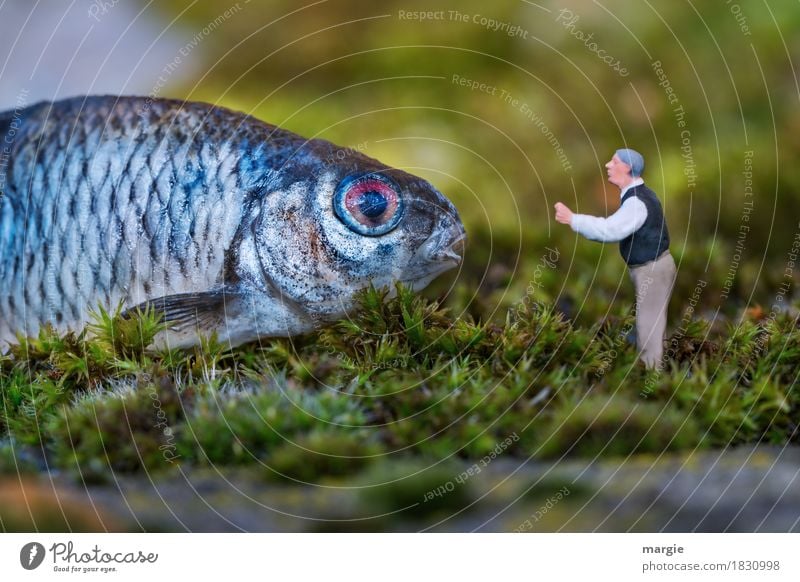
(189, 310)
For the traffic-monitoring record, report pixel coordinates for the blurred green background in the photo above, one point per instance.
(383, 79)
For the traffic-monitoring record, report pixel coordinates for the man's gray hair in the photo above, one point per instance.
(634, 159)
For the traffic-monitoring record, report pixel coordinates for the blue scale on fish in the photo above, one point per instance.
(220, 221)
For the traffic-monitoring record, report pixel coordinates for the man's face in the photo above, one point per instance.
(619, 173)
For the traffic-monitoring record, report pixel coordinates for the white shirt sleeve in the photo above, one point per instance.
(628, 219)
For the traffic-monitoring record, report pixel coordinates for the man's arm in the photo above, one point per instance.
(624, 222)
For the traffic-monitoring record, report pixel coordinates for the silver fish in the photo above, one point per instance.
(220, 221)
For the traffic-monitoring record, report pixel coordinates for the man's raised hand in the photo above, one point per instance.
(563, 214)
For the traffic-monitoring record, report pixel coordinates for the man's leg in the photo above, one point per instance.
(653, 283)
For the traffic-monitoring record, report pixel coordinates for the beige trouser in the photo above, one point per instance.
(653, 282)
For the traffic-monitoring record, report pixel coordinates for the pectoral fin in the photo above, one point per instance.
(189, 311)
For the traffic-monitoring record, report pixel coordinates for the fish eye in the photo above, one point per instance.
(368, 204)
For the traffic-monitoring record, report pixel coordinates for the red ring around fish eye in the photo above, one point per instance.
(368, 205)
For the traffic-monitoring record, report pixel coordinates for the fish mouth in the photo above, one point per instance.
(454, 251)
(446, 245)
(441, 252)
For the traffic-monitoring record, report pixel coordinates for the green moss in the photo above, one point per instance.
(246, 426)
(15, 459)
(127, 430)
(322, 453)
(414, 488)
(402, 374)
(618, 425)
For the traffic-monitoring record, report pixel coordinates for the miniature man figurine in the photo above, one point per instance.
(641, 230)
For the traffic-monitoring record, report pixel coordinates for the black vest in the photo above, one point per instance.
(652, 238)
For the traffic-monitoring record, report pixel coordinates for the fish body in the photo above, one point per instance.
(223, 222)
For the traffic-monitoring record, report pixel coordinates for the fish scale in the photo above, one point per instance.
(133, 201)
(91, 262)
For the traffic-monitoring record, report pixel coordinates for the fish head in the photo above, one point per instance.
(320, 241)
(405, 229)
